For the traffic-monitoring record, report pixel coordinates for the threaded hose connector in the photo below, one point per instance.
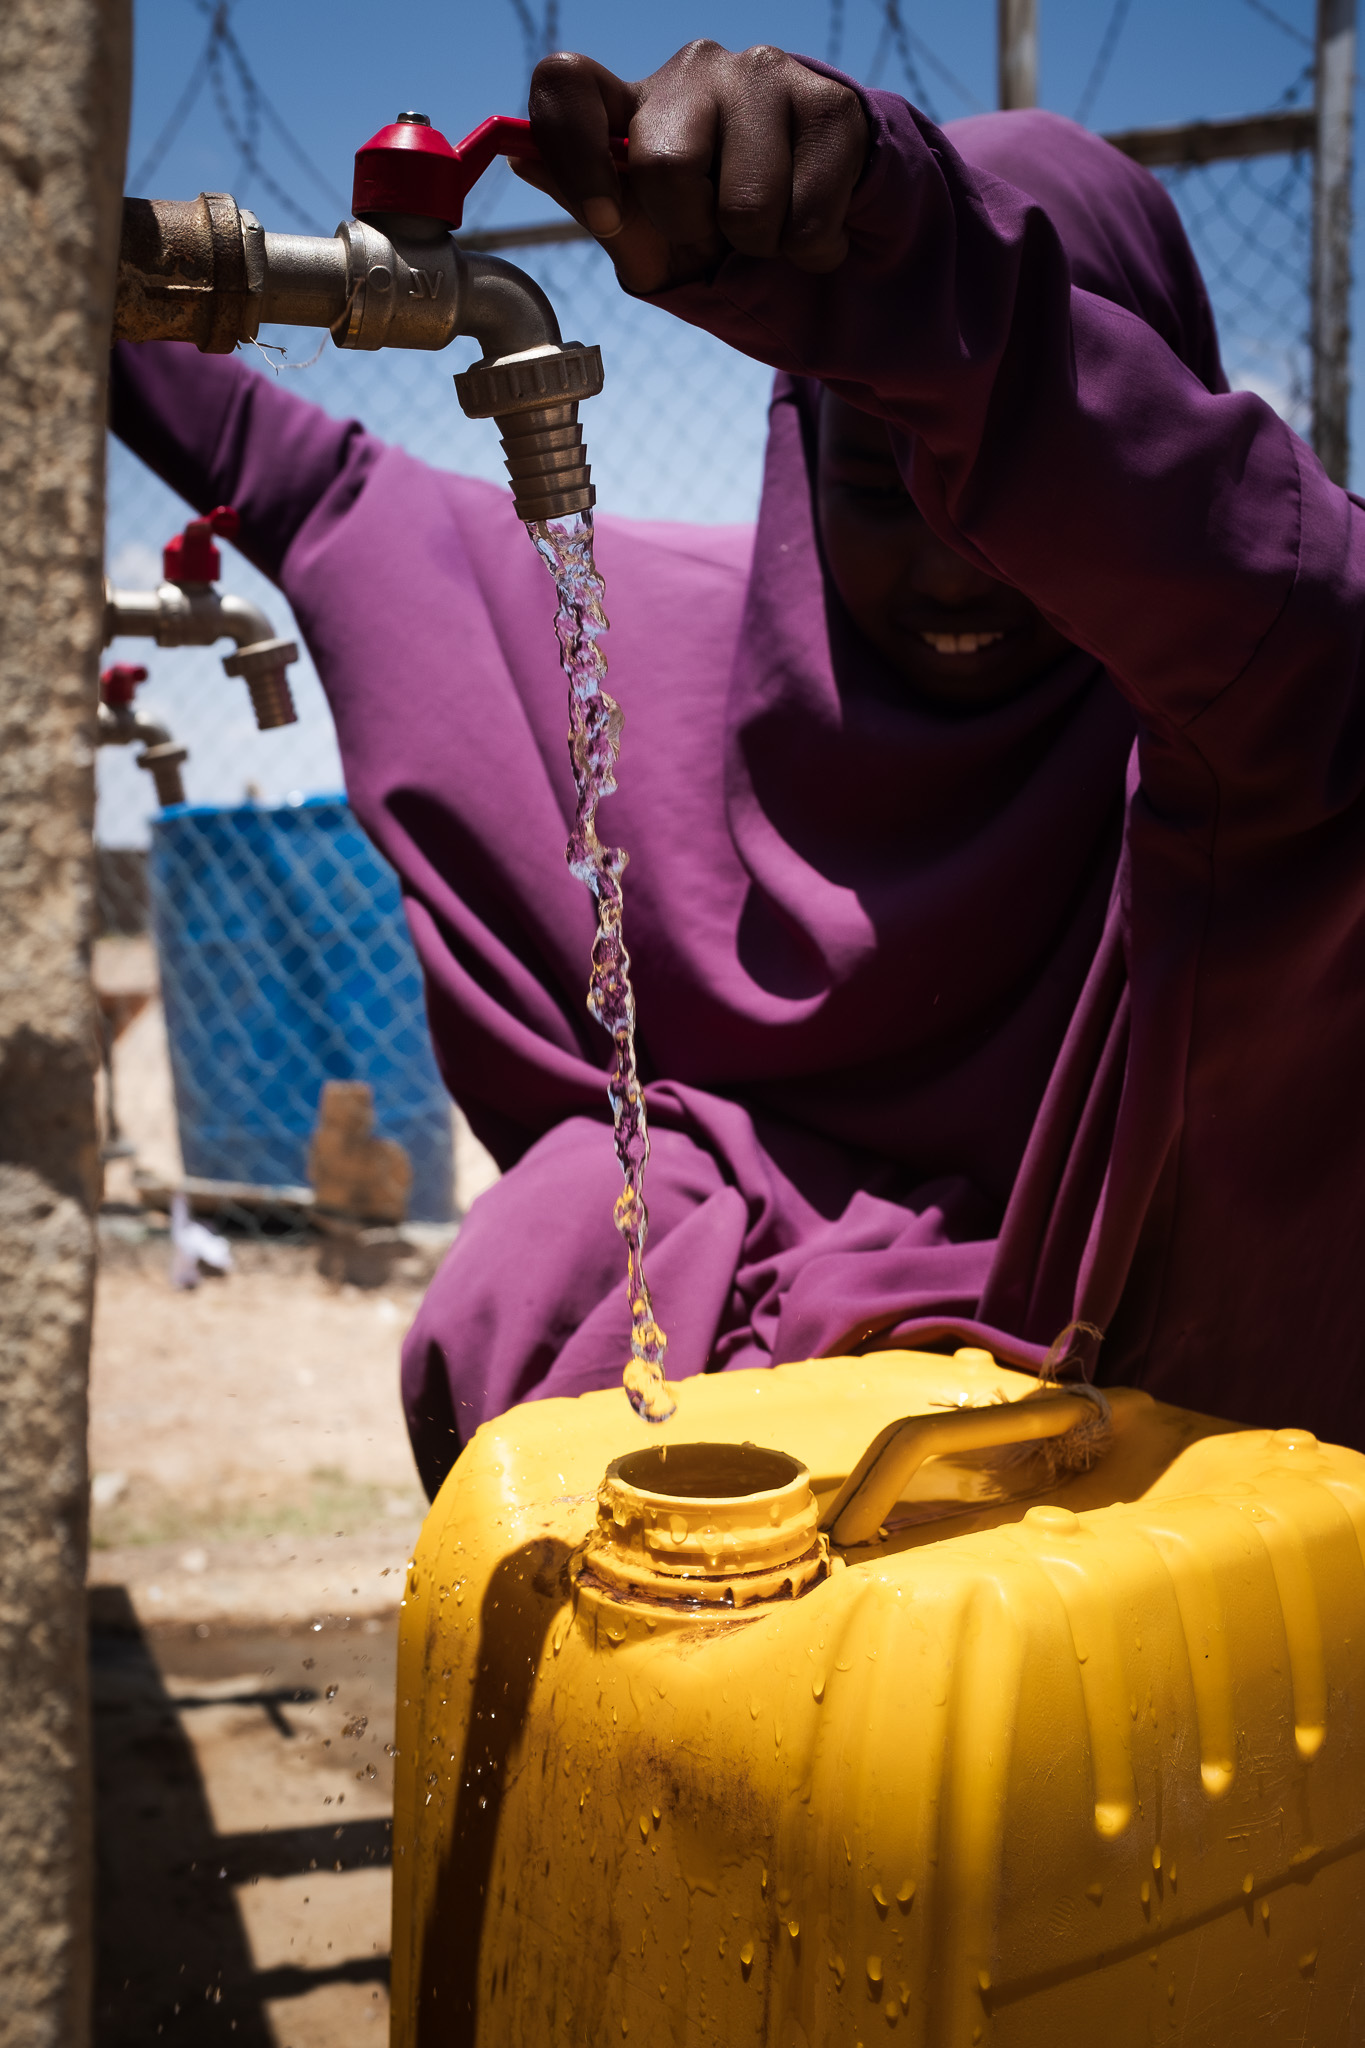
(547, 463)
(272, 700)
(163, 763)
(264, 665)
(533, 398)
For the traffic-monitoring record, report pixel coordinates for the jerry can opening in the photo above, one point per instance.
(717, 1525)
(708, 1471)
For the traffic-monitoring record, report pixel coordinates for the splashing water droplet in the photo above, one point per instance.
(566, 548)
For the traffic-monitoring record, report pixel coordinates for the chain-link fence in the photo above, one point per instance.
(1250, 224)
(677, 434)
(286, 964)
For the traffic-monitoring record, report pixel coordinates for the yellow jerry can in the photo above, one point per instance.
(891, 1698)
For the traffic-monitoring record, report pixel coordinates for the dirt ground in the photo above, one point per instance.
(246, 1442)
(253, 1505)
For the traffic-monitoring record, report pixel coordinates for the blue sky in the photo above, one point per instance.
(336, 72)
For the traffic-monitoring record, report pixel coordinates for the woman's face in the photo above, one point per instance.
(956, 633)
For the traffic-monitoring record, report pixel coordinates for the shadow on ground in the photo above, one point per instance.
(181, 1956)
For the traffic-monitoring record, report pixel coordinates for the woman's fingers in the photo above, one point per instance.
(749, 151)
(576, 105)
(829, 151)
(754, 172)
(673, 141)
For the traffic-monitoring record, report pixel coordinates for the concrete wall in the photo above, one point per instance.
(64, 71)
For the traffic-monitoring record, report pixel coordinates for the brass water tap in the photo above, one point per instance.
(207, 272)
(121, 725)
(186, 610)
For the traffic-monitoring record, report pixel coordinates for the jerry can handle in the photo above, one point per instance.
(891, 1460)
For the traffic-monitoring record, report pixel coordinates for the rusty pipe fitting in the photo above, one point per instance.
(189, 270)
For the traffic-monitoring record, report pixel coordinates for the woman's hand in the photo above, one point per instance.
(750, 152)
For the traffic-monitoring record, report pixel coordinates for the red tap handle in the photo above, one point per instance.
(191, 557)
(509, 135)
(118, 682)
(410, 167)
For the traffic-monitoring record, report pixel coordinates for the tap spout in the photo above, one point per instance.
(205, 271)
(195, 615)
(162, 757)
(530, 383)
(504, 310)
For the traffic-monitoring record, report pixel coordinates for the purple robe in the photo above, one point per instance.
(955, 1027)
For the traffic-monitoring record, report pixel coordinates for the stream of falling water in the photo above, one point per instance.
(565, 547)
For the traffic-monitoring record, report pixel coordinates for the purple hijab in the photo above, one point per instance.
(956, 1028)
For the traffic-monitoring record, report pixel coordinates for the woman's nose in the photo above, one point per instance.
(947, 579)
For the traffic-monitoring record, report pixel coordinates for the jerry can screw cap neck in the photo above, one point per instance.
(718, 1525)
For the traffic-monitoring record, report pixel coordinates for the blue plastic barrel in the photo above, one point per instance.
(286, 962)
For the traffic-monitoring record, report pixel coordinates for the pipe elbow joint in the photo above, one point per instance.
(531, 384)
(262, 660)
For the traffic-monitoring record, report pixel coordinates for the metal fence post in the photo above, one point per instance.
(1332, 169)
(1017, 27)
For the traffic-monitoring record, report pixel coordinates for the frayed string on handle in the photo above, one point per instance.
(1072, 1353)
(1067, 1369)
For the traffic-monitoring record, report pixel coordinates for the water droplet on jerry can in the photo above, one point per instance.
(874, 1969)
(746, 1954)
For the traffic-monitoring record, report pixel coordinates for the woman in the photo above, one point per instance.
(997, 836)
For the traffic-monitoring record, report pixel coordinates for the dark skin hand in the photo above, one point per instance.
(751, 152)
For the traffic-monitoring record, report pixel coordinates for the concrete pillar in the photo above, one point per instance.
(64, 76)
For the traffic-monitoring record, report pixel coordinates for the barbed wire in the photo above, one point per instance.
(1104, 57)
(834, 45)
(222, 63)
(538, 37)
(1304, 83)
(911, 48)
(1278, 21)
(179, 114)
